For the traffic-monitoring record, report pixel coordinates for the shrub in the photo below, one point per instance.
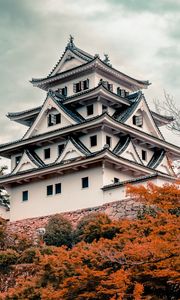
(2, 232)
(29, 256)
(7, 258)
(95, 226)
(58, 232)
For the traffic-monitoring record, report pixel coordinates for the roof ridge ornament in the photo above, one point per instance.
(106, 59)
(70, 44)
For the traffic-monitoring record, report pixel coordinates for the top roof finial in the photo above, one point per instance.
(70, 42)
(106, 59)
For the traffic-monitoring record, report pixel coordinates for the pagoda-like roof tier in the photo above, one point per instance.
(95, 64)
(105, 155)
(27, 117)
(118, 128)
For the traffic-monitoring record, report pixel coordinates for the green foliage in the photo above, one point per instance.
(7, 258)
(29, 256)
(58, 232)
(95, 226)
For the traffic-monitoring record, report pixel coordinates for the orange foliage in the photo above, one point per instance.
(140, 261)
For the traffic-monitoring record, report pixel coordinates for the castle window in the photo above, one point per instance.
(60, 149)
(119, 91)
(108, 140)
(24, 195)
(86, 84)
(81, 86)
(17, 159)
(49, 190)
(58, 188)
(63, 91)
(144, 155)
(108, 86)
(116, 180)
(47, 153)
(54, 119)
(104, 108)
(93, 140)
(85, 182)
(138, 120)
(90, 109)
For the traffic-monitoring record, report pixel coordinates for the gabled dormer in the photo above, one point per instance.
(53, 116)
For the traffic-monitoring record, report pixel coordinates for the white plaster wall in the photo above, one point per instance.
(4, 213)
(69, 83)
(73, 197)
(97, 110)
(54, 152)
(114, 139)
(86, 141)
(110, 173)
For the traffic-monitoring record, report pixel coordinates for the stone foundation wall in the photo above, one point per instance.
(119, 209)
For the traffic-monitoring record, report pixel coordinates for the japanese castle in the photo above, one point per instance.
(93, 133)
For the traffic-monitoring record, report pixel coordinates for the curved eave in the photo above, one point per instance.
(161, 120)
(104, 154)
(98, 65)
(93, 123)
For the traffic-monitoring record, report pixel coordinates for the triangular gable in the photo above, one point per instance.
(68, 61)
(72, 150)
(50, 105)
(165, 166)
(140, 107)
(126, 149)
(27, 162)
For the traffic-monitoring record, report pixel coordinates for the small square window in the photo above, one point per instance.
(144, 155)
(47, 153)
(49, 190)
(90, 109)
(138, 120)
(17, 159)
(116, 180)
(108, 140)
(93, 140)
(85, 182)
(58, 188)
(24, 195)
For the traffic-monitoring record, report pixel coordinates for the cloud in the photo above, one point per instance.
(141, 38)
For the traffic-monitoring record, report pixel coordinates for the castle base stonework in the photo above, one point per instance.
(115, 210)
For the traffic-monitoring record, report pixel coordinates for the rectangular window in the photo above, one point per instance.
(144, 155)
(119, 91)
(85, 182)
(104, 108)
(54, 119)
(24, 195)
(90, 109)
(116, 180)
(108, 140)
(60, 149)
(47, 153)
(86, 84)
(138, 120)
(49, 190)
(58, 188)
(93, 140)
(78, 87)
(64, 91)
(17, 159)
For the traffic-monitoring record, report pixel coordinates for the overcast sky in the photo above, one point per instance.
(141, 37)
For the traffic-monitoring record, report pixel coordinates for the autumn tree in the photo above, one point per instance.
(141, 261)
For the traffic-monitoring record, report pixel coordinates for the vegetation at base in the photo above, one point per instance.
(125, 260)
(58, 232)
